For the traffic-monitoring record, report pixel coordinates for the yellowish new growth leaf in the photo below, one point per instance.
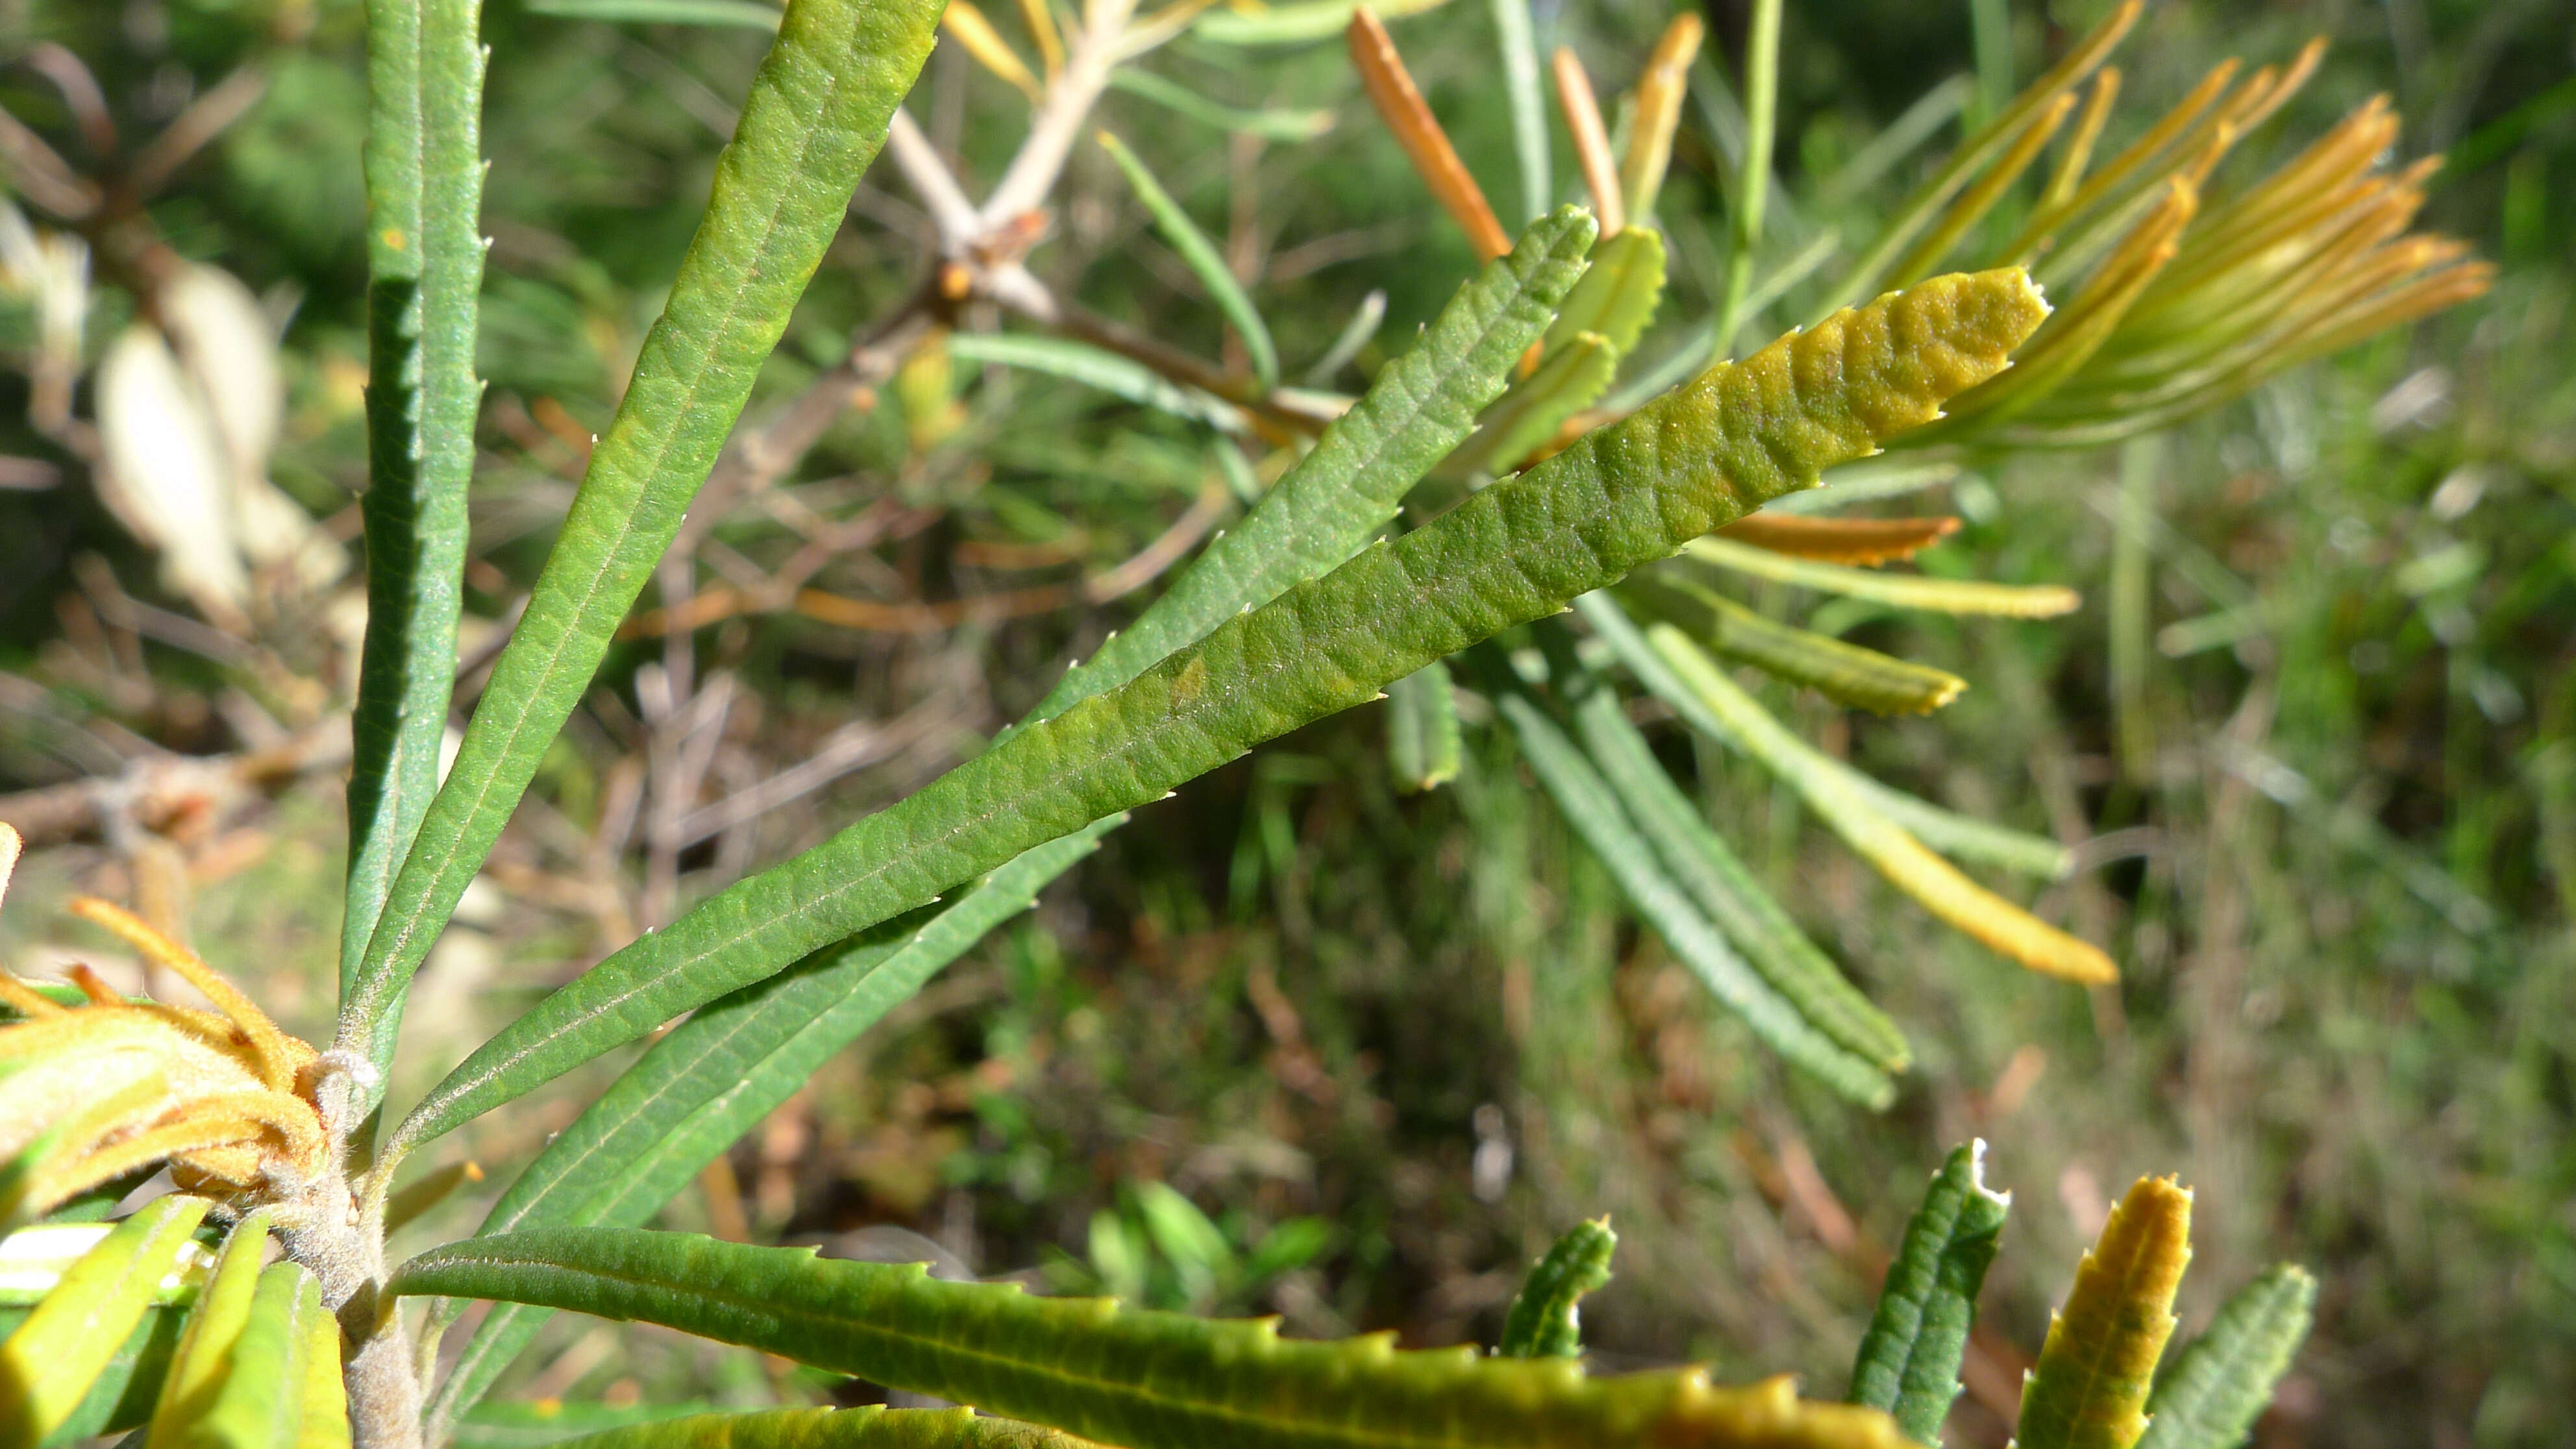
(277, 1055)
(2089, 1388)
(59, 1349)
(2079, 145)
(1972, 206)
(1591, 143)
(1660, 88)
(967, 26)
(1905, 591)
(1399, 103)
(1040, 19)
(1854, 541)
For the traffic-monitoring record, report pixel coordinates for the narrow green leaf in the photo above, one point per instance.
(48, 1364)
(2089, 1388)
(1201, 257)
(1422, 741)
(1529, 415)
(1869, 482)
(1337, 496)
(1545, 1320)
(1300, 23)
(1618, 294)
(1724, 889)
(424, 169)
(1963, 836)
(1890, 850)
(1617, 498)
(718, 1074)
(730, 14)
(1513, 32)
(1593, 810)
(1097, 367)
(1905, 591)
(868, 1428)
(545, 1422)
(122, 1396)
(1143, 1379)
(2218, 1387)
(260, 1402)
(1845, 673)
(814, 119)
(205, 1350)
(1270, 125)
(1909, 1359)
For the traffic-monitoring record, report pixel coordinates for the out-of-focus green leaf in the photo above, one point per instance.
(1545, 1318)
(1844, 673)
(1618, 294)
(204, 1354)
(1422, 742)
(1269, 125)
(2210, 1396)
(1528, 416)
(729, 14)
(1300, 23)
(1201, 257)
(1143, 1379)
(1097, 367)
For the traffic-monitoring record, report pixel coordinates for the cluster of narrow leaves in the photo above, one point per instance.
(1316, 602)
(139, 1326)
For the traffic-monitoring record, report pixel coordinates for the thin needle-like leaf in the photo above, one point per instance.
(424, 173)
(975, 34)
(1201, 257)
(1661, 86)
(1544, 1320)
(1514, 34)
(2089, 1388)
(1905, 591)
(1143, 1379)
(1909, 1359)
(1844, 673)
(1399, 103)
(1523, 549)
(1591, 143)
(816, 115)
(1902, 859)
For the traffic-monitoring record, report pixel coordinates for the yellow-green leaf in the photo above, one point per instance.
(46, 1367)
(2089, 1388)
(205, 1352)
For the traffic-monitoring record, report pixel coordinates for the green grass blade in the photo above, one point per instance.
(1618, 294)
(2218, 1387)
(868, 1428)
(205, 1350)
(1894, 853)
(1617, 498)
(2089, 1388)
(1963, 836)
(1321, 511)
(48, 1364)
(1422, 742)
(1201, 257)
(1147, 1380)
(1845, 673)
(1905, 591)
(1593, 811)
(717, 1075)
(261, 1399)
(1724, 889)
(424, 168)
(1097, 367)
(815, 117)
(1909, 1359)
(1545, 1318)
(1753, 179)
(1513, 31)
(1269, 125)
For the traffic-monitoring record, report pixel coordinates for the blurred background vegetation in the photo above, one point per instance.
(1296, 1042)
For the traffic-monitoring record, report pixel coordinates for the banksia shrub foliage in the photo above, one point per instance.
(1583, 517)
